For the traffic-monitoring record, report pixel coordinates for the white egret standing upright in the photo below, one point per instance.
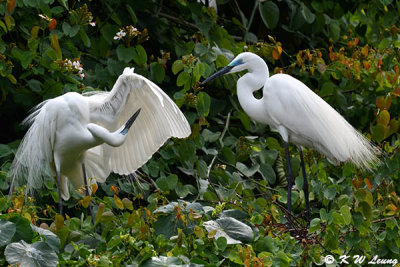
(75, 136)
(299, 115)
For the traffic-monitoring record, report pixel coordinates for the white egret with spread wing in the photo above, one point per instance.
(300, 116)
(75, 136)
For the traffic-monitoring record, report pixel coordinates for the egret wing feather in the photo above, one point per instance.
(159, 119)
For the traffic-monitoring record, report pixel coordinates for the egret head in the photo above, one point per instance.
(241, 62)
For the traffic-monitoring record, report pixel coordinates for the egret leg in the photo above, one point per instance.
(60, 205)
(87, 190)
(289, 178)
(305, 187)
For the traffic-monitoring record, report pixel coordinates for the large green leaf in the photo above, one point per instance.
(36, 254)
(7, 231)
(233, 230)
(269, 12)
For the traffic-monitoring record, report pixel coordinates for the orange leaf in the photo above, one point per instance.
(10, 6)
(387, 101)
(114, 189)
(94, 188)
(365, 50)
(356, 41)
(379, 102)
(52, 24)
(276, 53)
(367, 64)
(397, 91)
(368, 183)
(59, 221)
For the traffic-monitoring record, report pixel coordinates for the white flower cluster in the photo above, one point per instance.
(74, 65)
(119, 35)
(130, 30)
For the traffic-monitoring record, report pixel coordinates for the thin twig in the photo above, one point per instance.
(213, 159)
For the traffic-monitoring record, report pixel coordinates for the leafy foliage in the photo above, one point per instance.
(218, 197)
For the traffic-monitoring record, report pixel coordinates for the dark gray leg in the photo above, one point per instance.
(60, 205)
(305, 187)
(87, 190)
(289, 178)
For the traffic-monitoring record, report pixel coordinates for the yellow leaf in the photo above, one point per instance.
(365, 50)
(59, 221)
(34, 32)
(12, 78)
(86, 201)
(56, 46)
(127, 203)
(383, 118)
(100, 211)
(94, 188)
(118, 202)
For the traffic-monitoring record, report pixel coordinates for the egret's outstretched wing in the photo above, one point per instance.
(320, 126)
(159, 119)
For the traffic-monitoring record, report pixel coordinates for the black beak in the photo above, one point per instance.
(218, 73)
(129, 123)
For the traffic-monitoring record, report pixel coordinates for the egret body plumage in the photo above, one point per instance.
(300, 116)
(73, 136)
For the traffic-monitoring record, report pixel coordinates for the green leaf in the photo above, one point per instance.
(69, 30)
(203, 104)
(233, 230)
(35, 85)
(314, 225)
(247, 171)
(229, 155)
(85, 38)
(7, 231)
(245, 119)
(132, 13)
(345, 210)
(221, 243)
(5, 151)
(140, 57)
(50, 238)
(162, 183)
(36, 254)
(269, 12)
(182, 79)
(268, 173)
(308, 16)
(172, 181)
(157, 72)
(24, 230)
(125, 54)
(334, 30)
(209, 136)
(365, 209)
(330, 192)
(177, 66)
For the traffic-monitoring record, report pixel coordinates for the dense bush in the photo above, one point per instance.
(217, 198)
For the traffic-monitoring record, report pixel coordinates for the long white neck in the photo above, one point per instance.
(247, 84)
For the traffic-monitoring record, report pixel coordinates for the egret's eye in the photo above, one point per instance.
(237, 62)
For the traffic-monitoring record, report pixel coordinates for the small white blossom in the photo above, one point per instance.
(92, 23)
(43, 16)
(119, 35)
